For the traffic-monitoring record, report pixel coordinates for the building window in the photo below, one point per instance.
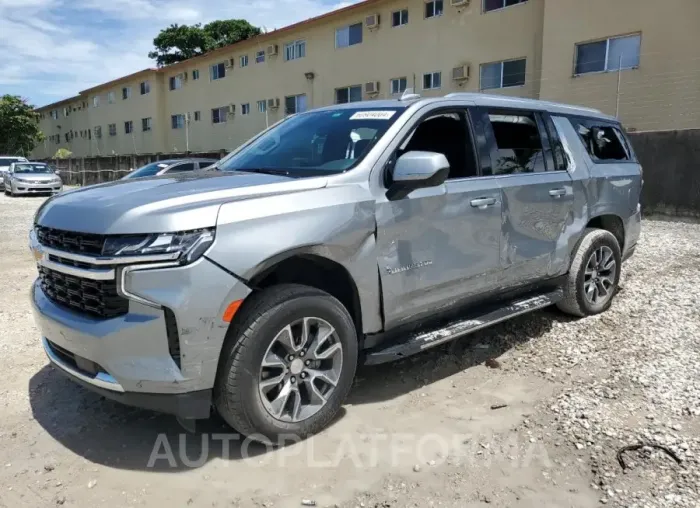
(217, 71)
(262, 106)
(98, 131)
(218, 115)
(175, 82)
(197, 116)
(432, 80)
(111, 97)
(95, 102)
(348, 94)
(54, 113)
(399, 18)
(145, 87)
(244, 61)
(398, 85)
(493, 5)
(195, 75)
(112, 128)
(260, 56)
(433, 9)
(126, 93)
(294, 104)
(128, 127)
(503, 74)
(348, 35)
(611, 54)
(245, 109)
(295, 50)
(146, 124)
(177, 121)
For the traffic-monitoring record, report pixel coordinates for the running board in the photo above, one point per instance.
(417, 342)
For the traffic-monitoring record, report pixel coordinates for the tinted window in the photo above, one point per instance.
(604, 142)
(446, 133)
(148, 170)
(181, 168)
(7, 161)
(561, 162)
(317, 142)
(518, 144)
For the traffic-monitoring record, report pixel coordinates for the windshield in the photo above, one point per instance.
(147, 170)
(32, 168)
(314, 143)
(6, 161)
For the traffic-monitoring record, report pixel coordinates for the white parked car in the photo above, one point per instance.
(31, 178)
(5, 163)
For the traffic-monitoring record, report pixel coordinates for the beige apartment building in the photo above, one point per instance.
(633, 58)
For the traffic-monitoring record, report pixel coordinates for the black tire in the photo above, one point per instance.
(256, 324)
(575, 301)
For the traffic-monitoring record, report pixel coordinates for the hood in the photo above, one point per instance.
(161, 204)
(39, 177)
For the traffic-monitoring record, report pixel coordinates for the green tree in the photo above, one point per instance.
(19, 126)
(62, 153)
(180, 42)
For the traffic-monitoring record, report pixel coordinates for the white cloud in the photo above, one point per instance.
(54, 48)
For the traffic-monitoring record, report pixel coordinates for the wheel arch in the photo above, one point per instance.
(612, 223)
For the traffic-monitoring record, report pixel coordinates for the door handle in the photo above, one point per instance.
(557, 193)
(483, 202)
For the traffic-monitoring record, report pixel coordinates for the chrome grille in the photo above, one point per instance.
(96, 297)
(70, 241)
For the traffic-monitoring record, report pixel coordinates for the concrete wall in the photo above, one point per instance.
(671, 164)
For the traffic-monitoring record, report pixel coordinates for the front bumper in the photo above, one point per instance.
(130, 358)
(19, 187)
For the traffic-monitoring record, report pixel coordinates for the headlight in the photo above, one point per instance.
(190, 245)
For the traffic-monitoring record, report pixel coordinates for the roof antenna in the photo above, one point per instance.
(408, 95)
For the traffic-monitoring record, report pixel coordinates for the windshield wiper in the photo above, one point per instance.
(265, 171)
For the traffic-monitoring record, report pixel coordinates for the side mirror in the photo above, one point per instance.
(415, 170)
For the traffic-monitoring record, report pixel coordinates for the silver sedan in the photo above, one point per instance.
(31, 178)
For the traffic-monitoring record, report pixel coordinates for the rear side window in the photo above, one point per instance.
(518, 143)
(189, 166)
(603, 141)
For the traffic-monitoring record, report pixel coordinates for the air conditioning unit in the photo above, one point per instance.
(372, 21)
(273, 103)
(372, 87)
(228, 63)
(461, 72)
(183, 76)
(231, 109)
(459, 3)
(187, 117)
(272, 50)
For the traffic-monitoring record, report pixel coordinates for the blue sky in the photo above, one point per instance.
(52, 49)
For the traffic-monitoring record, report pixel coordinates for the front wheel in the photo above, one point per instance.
(594, 274)
(287, 365)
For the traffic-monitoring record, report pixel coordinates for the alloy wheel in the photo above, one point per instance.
(300, 369)
(599, 276)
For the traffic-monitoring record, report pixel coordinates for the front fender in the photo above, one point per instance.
(335, 223)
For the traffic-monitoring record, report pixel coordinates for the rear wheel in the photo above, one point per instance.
(594, 274)
(287, 365)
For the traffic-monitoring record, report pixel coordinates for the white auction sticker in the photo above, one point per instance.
(372, 115)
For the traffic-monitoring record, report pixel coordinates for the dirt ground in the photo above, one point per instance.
(538, 428)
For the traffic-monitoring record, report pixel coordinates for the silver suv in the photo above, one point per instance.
(362, 232)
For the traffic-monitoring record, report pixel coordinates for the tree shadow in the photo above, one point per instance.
(122, 437)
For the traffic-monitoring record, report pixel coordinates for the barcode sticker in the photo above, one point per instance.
(372, 115)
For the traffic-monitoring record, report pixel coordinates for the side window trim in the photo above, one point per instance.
(546, 145)
(556, 143)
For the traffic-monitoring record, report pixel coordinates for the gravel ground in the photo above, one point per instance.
(573, 392)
